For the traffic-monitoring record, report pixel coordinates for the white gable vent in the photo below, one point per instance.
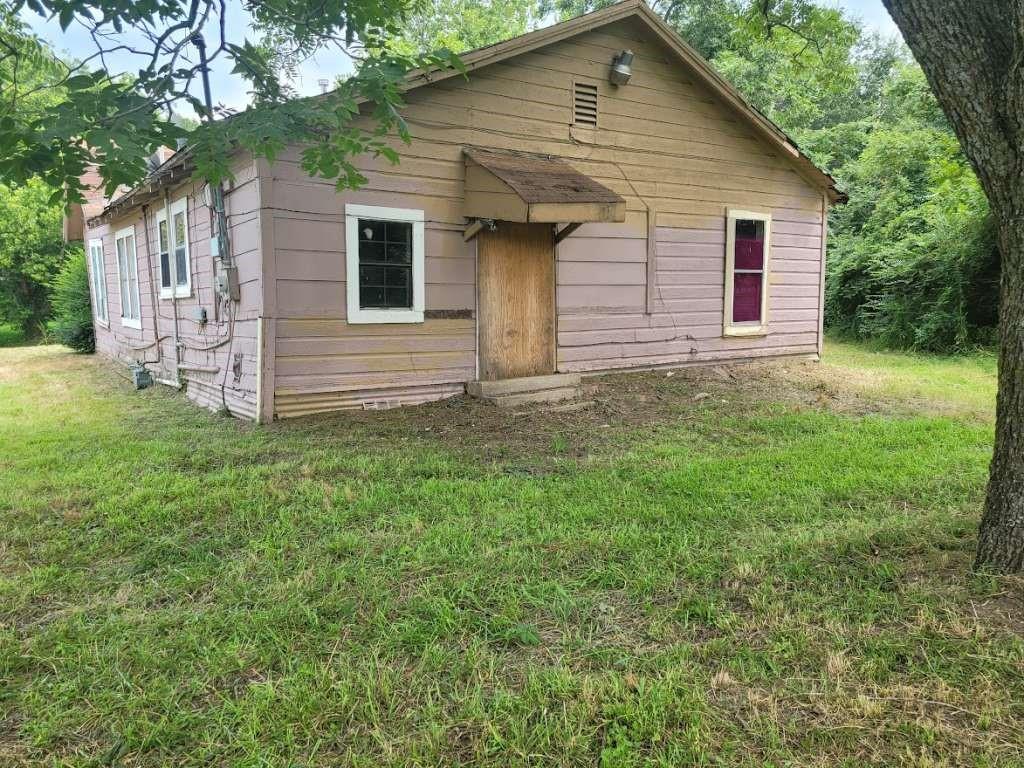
(584, 104)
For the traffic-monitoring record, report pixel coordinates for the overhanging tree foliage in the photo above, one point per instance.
(116, 119)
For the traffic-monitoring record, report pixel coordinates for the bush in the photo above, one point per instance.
(913, 262)
(72, 306)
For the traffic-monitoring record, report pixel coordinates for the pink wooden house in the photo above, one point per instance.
(593, 196)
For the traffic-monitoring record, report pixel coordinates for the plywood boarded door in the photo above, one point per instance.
(516, 273)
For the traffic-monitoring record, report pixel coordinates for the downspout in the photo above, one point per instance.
(259, 370)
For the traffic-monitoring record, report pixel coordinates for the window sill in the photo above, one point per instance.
(127, 322)
(367, 316)
(745, 331)
(103, 323)
(180, 293)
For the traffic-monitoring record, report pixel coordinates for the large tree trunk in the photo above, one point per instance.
(1001, 537)
(972, 52)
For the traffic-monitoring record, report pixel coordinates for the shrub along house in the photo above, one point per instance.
(591, 197)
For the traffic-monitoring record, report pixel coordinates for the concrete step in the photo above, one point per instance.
(553, 395)
(525, 384)
(573, 406)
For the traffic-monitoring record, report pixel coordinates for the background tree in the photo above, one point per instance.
(913, 258)
(707, 25)
(460, 25)
(31, 253)
(31, 242)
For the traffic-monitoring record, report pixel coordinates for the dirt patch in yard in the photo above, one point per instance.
(518, 437)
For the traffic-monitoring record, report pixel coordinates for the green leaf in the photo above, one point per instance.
(79, 82)
(67, 15)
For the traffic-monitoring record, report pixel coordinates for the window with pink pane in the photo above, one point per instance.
(748, 271)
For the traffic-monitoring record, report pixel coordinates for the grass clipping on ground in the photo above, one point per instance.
(750, 566)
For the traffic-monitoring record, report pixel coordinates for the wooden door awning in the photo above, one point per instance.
(523, 187)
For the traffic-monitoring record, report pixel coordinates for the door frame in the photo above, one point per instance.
(554, 297)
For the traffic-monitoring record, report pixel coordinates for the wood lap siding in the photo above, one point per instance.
(664, 143)
(325, 364)
(322, 362)
(602, 323)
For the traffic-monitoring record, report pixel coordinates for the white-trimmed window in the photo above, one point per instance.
(172, 240)
(747, 257)
(98, 276)
(384, 264)
(128, 278)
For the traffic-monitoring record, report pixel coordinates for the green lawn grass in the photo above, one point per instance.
(778, 579)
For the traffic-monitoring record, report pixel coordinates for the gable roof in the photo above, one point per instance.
(180, 164)
(684, 53)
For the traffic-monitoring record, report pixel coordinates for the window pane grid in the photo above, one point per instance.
(133, 278)
(128, 277)
(165, 256)
(748, 271)
(172, 239)
(99, 282)
(385, 264)
(181, 267)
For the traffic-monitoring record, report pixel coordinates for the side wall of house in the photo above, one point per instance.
(216, 361)
(646, 292)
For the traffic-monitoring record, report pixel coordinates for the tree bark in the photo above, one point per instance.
(1001, 535)
(972, 52)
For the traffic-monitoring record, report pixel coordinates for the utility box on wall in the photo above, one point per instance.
(141, 378)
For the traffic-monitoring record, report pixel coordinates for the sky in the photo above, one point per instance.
(230, 90)
(872, 13)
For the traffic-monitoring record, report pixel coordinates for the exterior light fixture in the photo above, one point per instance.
(621, 68)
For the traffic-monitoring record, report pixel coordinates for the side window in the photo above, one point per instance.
(384, 262)
(128, 278)
(748, 237)
(98, 279)
(172, 239)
